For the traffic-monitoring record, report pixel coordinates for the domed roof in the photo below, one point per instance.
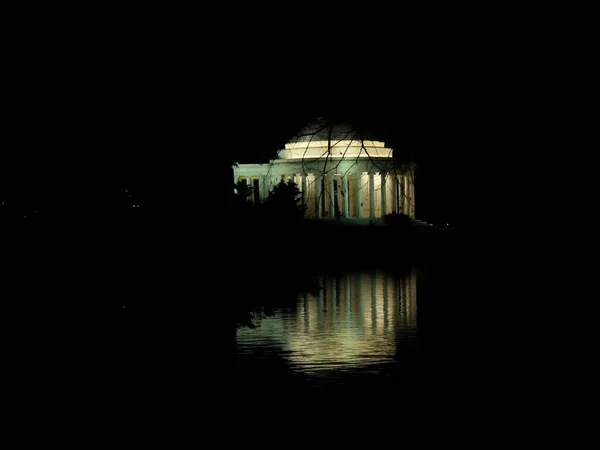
(325, 130)
(324, 138)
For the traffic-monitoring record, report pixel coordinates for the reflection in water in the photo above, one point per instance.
(355, 322)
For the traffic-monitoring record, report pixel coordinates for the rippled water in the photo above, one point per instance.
(359, 324)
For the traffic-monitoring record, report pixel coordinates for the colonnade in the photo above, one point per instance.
(351, 195)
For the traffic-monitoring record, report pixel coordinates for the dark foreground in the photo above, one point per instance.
(165, 319)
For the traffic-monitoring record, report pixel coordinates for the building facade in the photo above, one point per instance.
(340, 173)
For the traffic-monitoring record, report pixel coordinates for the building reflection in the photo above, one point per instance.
(355, 320)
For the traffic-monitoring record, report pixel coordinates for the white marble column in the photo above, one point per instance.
(346, 193)
(270, 183)
(304, 191)
(394, 181)
(383, 195)
(331, 179)
(358, 181)
(371, 195)
(265, 188)
(412, 196)
(318, 199)
(402, 194)
(406, 196)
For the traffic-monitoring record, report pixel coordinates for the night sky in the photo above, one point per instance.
(163, 109)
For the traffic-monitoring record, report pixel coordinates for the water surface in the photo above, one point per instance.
(359, 326)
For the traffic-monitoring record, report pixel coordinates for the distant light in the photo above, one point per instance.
(24, 217)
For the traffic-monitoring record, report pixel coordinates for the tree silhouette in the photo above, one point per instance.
(242, 194)
(285, 199)
(285, 195)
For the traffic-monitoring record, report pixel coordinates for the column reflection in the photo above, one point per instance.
(355, 320)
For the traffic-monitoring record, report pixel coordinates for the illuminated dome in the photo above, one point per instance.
(343, 139)
(322, 130)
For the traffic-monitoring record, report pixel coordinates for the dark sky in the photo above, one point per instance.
(159, 107)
